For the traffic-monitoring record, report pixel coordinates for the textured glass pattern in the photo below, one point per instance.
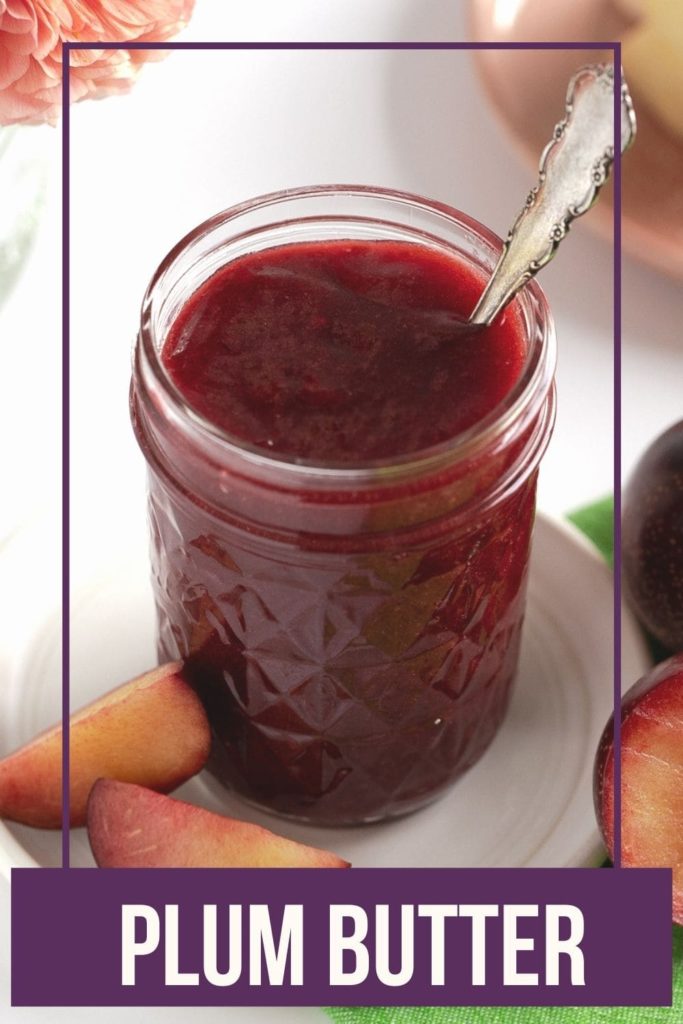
(344, 687)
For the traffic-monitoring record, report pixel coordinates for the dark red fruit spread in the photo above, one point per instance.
(342, 351)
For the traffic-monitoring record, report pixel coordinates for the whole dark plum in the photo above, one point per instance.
(652, 539)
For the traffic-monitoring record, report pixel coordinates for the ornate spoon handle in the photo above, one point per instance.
(573, 168)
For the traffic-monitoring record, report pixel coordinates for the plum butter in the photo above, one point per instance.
(342, 351)
(342, 491)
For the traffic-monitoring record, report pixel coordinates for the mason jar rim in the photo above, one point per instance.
(536, 376)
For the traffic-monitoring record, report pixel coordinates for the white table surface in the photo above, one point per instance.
(203, 130)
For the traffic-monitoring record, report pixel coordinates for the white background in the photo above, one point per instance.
(204, 130)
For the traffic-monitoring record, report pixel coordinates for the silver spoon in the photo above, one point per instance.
(573, 168)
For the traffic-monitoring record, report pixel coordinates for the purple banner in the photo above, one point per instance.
(397, 937)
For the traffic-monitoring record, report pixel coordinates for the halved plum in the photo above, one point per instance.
(651, 776)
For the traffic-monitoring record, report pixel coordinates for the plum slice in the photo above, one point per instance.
(130, 826)
(151, 730)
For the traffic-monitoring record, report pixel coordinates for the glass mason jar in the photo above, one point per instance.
(353, 630)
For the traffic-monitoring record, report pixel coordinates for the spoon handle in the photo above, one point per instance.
(574, 166)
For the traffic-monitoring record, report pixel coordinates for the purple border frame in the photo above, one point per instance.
(67, 47)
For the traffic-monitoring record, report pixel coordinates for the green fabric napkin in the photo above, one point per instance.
(525, 1014)
(596, 521)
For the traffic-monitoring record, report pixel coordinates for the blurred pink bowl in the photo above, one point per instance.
(527, 90)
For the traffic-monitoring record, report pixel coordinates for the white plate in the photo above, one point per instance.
(528, 802)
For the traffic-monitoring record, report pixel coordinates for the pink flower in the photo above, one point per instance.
(31, 37)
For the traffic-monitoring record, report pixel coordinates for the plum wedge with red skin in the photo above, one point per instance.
(152, 730)
(133, 827)
(652, 776)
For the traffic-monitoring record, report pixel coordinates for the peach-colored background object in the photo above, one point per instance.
(31, 37)
(527, 91)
